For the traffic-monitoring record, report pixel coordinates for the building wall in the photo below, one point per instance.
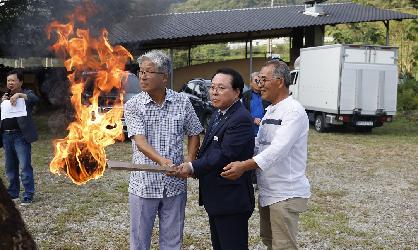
(206, 70)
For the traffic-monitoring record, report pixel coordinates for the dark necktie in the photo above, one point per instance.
(215, 123)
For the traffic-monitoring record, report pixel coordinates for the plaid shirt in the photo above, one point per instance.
(164, 128)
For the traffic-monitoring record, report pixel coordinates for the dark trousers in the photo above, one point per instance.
(229, 232)
(17, 154)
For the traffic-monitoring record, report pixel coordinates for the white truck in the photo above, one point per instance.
(351, 85)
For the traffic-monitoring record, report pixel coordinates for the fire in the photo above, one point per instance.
(81, 155)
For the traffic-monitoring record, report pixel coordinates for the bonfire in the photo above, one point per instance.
(81, 155)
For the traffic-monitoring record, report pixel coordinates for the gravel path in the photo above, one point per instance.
(364, 197)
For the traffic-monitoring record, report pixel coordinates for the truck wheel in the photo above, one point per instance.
(319, 123)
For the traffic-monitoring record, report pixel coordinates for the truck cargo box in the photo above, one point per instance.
(347, 80)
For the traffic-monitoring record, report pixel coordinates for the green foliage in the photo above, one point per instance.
(401, 34)
(202, 54)
(10, 11)
(215, 51)
(23, 22)
(408, 95)
(353, 33)
(201, 5)
(221, 52)
(389, 4)
(409, 45)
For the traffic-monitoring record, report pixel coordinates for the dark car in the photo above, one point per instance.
(198, 92)
(246, 88)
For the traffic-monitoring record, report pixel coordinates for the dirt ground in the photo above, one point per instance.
(364, 196)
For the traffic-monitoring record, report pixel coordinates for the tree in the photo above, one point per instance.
(202, 5)
(10, 11)
(362, 33)
(402, 34)
(23, 22)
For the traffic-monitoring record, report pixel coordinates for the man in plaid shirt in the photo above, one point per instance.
(157, 120)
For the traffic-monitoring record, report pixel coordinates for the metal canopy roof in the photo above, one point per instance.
(192, 28)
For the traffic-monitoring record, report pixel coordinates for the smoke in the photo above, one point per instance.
(24, 35)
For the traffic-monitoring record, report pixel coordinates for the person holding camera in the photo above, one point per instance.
(17, 134)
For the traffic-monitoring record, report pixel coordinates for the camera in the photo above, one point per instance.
(7, 94)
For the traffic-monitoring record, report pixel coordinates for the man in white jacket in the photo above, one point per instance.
(280, 160)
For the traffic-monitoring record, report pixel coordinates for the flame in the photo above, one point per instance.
(81, 155)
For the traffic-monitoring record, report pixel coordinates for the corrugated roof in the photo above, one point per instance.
(198, 25)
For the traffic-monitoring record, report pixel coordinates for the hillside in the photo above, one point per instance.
(199, 5)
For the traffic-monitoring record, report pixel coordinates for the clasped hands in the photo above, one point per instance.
(183, 171)
(232, 171)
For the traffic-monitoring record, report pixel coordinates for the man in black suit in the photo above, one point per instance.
(229, 138)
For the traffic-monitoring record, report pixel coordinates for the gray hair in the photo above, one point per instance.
(160, 59)
(281, 70)
(253, 75)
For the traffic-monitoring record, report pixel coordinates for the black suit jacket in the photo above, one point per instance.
(232, 140)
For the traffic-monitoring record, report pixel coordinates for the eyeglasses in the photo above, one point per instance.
(141, 73)
(264, 80)
(219, 89)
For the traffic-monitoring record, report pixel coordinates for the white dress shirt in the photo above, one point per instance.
(281, 153)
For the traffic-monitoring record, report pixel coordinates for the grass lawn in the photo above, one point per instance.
(364, 196)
